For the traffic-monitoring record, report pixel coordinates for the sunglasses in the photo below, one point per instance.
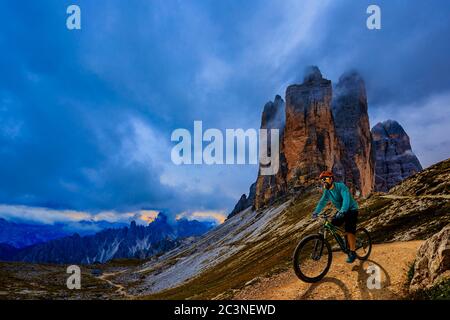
(326, 178)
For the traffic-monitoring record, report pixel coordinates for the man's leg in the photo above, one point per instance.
(337, 221)
(350, 231)
(350, 228)
(351, 241)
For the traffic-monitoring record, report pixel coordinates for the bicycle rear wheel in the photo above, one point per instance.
(363, 244)
(312, 258)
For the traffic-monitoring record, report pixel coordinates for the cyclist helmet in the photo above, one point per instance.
(326, 174)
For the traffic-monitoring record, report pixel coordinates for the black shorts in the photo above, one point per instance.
(350, 218)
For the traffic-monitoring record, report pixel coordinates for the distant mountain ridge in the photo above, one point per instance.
(134, 241)
(24, 234)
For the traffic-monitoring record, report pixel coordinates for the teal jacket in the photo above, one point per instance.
(340, 197)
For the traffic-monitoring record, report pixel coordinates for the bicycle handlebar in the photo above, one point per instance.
(323, 216)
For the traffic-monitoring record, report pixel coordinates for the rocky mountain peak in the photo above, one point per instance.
(389, 129)
(241, 205)
(161, 218)
(395, 160)
(245, 202)
(267, 188)
(273, 114)
(327, 128)
(278, 99)
(352, 81)
(349, 98)
(351, 121)
(310, 142)
(312, 74)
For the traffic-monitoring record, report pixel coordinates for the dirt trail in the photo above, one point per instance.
(120, 289)
(343, 281)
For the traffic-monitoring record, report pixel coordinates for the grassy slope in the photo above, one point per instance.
(387, 220)
(268, 256)
(20, 280)
(39, 281)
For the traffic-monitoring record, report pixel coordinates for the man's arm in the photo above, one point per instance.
(345, 193)
(322, 203)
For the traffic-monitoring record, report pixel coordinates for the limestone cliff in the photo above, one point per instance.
(395, 160)
(351, 120)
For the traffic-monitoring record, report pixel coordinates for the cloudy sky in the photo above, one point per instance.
(86, 116)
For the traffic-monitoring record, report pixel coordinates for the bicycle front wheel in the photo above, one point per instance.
(312, 258)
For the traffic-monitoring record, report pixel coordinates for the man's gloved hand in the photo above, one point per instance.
(314, 215)
(339, 215)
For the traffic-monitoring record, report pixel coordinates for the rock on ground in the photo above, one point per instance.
(432, 263)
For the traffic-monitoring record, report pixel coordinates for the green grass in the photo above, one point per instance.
(410, 273)
(440, 291)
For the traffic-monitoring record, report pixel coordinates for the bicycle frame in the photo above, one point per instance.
(336, 232)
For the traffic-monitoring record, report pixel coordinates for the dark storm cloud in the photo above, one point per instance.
(86, 116)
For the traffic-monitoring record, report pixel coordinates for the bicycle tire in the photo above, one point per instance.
(296, 256)
(366, 256)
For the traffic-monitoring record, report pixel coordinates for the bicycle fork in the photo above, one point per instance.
(318, 248)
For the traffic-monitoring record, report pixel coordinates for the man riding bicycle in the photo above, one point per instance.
(341, 198)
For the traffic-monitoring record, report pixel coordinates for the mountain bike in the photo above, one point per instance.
(312, 256)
